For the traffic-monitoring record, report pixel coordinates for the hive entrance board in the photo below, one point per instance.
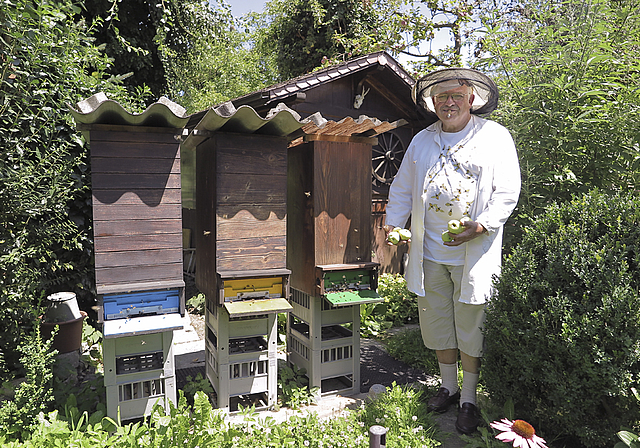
(256, 307)
(345, 298)
(252, 293)
(349, 284)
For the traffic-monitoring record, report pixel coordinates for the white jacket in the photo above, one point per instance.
(498, 185)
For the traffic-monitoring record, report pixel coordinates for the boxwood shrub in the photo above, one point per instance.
(563, 329)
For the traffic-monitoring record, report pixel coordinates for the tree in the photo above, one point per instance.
(218, 64)
(307, 34)
(129, 32)
(423, 19)
(304, 32)
(568, 73)
(192, 51)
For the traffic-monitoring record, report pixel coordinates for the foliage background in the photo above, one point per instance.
(567, 70)
(48, 61)
(568, 76)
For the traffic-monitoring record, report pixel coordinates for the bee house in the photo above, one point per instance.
(241, 232)
(329, 253)
(137, 219)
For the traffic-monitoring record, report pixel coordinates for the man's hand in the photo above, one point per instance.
(471, 230)
(387, 230)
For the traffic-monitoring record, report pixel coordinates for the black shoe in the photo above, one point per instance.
(468, 418)
(441, 401)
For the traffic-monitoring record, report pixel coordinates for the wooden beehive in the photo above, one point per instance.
(137, 212)
(329, 208)
(241, 193)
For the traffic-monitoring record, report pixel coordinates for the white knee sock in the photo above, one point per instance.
(449, 374)
(469, 385)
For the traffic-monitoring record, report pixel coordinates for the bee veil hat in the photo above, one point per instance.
(484, 89)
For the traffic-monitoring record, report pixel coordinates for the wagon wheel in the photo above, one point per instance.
(386, 157)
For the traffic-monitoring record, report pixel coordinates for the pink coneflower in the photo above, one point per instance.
(519, 432)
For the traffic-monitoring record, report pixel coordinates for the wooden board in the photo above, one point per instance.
(137, 243)
(329, 208)
(205, 229)
(254, 253)
(234, 224)
(127, 212)
(235, 188)
(150, 198)
(124, 228)
(300, 239)
(137, 257)
(128, 276)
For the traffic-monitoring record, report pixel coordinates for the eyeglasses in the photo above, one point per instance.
(444, 97)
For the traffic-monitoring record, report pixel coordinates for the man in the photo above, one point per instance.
(460, 166)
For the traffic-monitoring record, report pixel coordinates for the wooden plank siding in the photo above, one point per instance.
(241, 194)
(137, 210)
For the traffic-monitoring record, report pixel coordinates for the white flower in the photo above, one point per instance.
(521, 433)
(306, 443)
(414, 418)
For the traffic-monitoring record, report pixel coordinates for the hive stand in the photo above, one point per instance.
(329, 254)
(241, 262)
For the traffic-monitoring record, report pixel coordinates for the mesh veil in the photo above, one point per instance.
(485, 90)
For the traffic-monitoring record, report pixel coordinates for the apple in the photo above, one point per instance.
(393, 237)
(446, 237)
(405, 234)
(454, 226)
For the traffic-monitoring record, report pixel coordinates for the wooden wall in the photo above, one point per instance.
(241, 196)
(136, 208)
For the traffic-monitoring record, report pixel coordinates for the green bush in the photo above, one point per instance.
(400, 409)
(47, 61)
(408, 347)
(33, 395)
(402, 304)
(563, 330)
(197, 304)
(400, 307)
